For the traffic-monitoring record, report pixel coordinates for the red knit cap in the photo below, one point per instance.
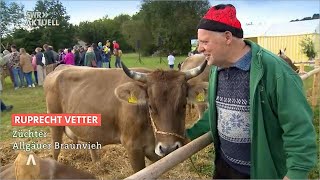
(222, 18)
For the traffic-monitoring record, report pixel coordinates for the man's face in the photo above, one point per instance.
(213, 46)
(13, 49)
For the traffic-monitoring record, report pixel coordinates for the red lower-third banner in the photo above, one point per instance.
(56, 120)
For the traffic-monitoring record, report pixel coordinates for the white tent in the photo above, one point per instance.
(294, 28)
(282, 29)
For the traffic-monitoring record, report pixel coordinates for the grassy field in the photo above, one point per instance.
(132, 60)
(31, 100)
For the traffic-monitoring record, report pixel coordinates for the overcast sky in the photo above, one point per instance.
(256, 11)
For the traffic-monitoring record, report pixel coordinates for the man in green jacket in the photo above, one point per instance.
(259, 117)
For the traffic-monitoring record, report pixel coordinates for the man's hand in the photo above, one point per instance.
(286, 178)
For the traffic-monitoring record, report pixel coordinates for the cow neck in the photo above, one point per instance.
(156, 131)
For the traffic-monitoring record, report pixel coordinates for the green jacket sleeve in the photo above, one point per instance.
(200, 127)
(295, 118)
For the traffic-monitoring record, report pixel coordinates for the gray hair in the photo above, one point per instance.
(5, 52)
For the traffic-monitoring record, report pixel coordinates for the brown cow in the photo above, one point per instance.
(143, 110)
(288, 60)
(42, 169)
(192, 62)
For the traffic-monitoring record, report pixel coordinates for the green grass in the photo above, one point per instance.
(132, 60)
(31, 100)
(308, 82)
(24, 100)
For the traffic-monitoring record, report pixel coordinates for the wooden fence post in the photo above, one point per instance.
(301, 69)
(315, 89)
(315, 85)
(317, 63)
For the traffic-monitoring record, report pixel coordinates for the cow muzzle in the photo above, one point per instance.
(164, 149)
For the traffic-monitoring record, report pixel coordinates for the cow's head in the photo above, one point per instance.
(282, 52)
(287, 59)
(166, 94)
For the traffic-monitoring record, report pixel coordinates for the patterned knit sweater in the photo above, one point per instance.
(233, 114)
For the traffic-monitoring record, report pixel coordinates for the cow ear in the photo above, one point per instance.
(131, 93)
(198, 93)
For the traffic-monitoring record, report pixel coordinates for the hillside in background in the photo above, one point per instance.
(315, 16)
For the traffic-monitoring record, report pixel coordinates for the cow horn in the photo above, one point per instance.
(191, 73)
(142, 77)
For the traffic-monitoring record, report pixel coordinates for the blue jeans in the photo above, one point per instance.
(18, 77)
(3, 106)
(35, 76)
(28, 78)
(118, 62)
(99, 64)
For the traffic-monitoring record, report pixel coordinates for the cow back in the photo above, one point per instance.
(74, 89)
(192, 62)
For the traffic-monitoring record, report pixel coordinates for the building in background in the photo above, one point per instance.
(285, 35)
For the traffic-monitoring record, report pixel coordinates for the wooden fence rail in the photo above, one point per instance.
(302, 64)
(310, 73)
(156, 169)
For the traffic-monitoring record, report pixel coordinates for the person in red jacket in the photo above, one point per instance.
(115, 45)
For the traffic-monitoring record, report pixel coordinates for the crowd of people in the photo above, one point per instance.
(20, 65)
(95, 55)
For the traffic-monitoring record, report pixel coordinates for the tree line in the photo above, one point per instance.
(314, 16)
(159, 26)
